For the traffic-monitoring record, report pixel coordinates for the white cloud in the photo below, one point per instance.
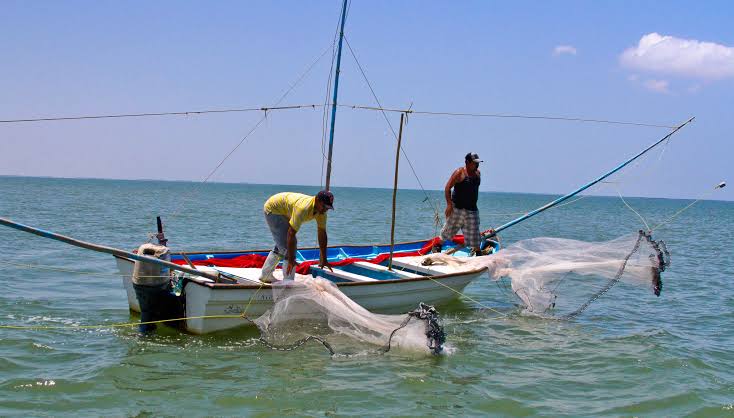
(683, 57)
(658, 86)
(564, 49)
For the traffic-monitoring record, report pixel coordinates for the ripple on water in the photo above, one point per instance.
(629, 354)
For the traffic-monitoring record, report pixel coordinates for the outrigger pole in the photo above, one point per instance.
(336, 90)
(103, 249)
(582, 188)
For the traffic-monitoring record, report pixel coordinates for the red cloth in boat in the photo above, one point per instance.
(257, 261)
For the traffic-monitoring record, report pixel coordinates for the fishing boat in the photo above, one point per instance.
(371, 275)
(219, 289)
(360, 271)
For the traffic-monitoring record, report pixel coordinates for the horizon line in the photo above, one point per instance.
(353, 187)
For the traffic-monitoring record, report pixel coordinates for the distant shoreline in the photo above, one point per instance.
(341, 187)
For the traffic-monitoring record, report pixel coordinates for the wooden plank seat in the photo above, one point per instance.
(345, 275)
(379, 267)
(422, 269)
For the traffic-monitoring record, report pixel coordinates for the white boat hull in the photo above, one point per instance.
(388, 296)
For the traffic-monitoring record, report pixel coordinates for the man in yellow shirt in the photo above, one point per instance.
(285, 213)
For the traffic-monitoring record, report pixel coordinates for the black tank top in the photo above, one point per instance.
(466, 193)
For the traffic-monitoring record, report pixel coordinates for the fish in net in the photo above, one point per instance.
(561, 277)
(313, 308)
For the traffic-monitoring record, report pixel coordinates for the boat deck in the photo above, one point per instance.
(359, 271)
(351, 264)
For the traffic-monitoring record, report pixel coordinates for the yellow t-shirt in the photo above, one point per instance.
(297, 207)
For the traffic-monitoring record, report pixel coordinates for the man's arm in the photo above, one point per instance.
(447, 193)
(292, 243)
(323, 243)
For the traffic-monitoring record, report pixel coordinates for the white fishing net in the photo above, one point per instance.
(550, 276)
(314, 307)
(563, 276)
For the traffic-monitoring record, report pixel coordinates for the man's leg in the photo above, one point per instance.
(451, 227)
(269, 266)
(278, 226)
(472, 237)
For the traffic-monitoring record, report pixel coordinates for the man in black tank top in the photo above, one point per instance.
(461, 203)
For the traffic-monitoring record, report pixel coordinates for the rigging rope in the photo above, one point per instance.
(242, 141)
(141, 115)
(402, 150)
(676, 214)
(644, 222)
(508, 116)
(352, 106)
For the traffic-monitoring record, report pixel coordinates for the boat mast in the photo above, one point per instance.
(336, 91)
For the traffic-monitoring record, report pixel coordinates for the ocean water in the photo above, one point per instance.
(630, 354)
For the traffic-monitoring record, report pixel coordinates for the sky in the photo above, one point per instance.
(650, 62)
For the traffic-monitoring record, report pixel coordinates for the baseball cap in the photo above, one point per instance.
(473, 157)
(326, 198)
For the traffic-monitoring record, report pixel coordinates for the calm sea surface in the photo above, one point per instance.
(630, 354)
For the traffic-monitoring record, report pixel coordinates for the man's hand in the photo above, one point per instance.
(323, 242)
(291, 264)
(325, 264)
(449, 211)
(491, 233)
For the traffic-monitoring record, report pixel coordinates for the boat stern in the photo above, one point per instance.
(125, 267)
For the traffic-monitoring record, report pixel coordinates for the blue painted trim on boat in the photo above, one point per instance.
(312, 254)
(337, 253)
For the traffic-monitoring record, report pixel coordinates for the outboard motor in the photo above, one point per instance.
(149, 274)
(152, 284)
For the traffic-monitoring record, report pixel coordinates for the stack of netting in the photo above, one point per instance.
(563, 276)
(553, 277)
(314, 308)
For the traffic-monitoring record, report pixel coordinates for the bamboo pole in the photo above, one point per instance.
(593, 182)
(395, 191)
(103, 249)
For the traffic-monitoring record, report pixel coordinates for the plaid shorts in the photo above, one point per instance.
(468, 222)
